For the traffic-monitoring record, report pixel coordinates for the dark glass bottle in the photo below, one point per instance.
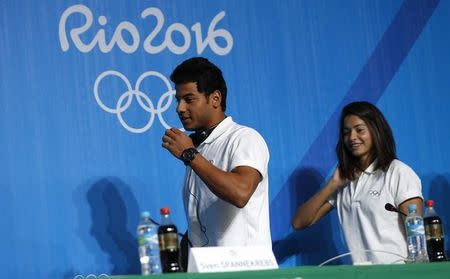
(434, 233)
(168, 243)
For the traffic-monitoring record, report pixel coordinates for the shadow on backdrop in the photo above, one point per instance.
(110, 202)
(440, 193)
(313, 245)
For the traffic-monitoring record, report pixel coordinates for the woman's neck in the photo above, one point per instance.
(365, 162)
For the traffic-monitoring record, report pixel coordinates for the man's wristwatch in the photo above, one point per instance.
(188, 155)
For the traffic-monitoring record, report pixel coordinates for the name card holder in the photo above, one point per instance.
(223, 259)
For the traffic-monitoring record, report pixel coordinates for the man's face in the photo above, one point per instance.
(194, 108)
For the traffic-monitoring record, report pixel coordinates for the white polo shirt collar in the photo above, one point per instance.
(219, 130)
(371, 168)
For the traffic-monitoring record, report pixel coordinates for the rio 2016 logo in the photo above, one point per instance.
(77, 21)
(213, 33)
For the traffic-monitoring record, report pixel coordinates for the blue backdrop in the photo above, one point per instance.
(85, 99)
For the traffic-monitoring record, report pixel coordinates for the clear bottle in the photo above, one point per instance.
(415, 236)
(148, 245)
(168, 243)
(434, 234)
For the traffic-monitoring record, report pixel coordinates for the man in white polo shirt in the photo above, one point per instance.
(225, 192)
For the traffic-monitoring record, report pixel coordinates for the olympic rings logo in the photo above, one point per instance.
(375, 193)
(125, 100)
(92, 276)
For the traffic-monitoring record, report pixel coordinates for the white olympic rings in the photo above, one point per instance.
(92, 276)
(124, 101)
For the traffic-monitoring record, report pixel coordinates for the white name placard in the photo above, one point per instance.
(221, 259)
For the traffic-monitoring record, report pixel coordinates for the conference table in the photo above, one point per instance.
(396, 271)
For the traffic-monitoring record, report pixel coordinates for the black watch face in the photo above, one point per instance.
(188, 155)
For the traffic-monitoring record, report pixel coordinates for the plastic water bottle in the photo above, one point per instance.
(434, 234)
(147, 233)
(415, 236)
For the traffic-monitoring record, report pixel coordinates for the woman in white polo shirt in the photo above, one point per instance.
(367, 177)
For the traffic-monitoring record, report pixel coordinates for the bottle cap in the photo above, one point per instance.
(165, 210)
(412, 207)
(429, 203)
(145, 214)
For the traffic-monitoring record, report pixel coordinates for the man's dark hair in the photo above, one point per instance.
(383, 149)
(207, 76)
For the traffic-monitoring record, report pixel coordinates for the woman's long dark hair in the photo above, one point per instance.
(383, 149)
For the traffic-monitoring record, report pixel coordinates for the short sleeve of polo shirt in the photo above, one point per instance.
(404, 182)
(332, 199)
(250, 149)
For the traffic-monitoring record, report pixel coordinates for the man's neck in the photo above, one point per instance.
(214, 122)
(201, 135)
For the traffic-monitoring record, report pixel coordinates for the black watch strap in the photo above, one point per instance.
(188, 155)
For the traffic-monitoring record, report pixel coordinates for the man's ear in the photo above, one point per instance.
(216, 98)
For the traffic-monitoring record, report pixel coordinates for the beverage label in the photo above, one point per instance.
(147, 238)
(141, 240)
(168, 241)
(415, 229)
(434, 231)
